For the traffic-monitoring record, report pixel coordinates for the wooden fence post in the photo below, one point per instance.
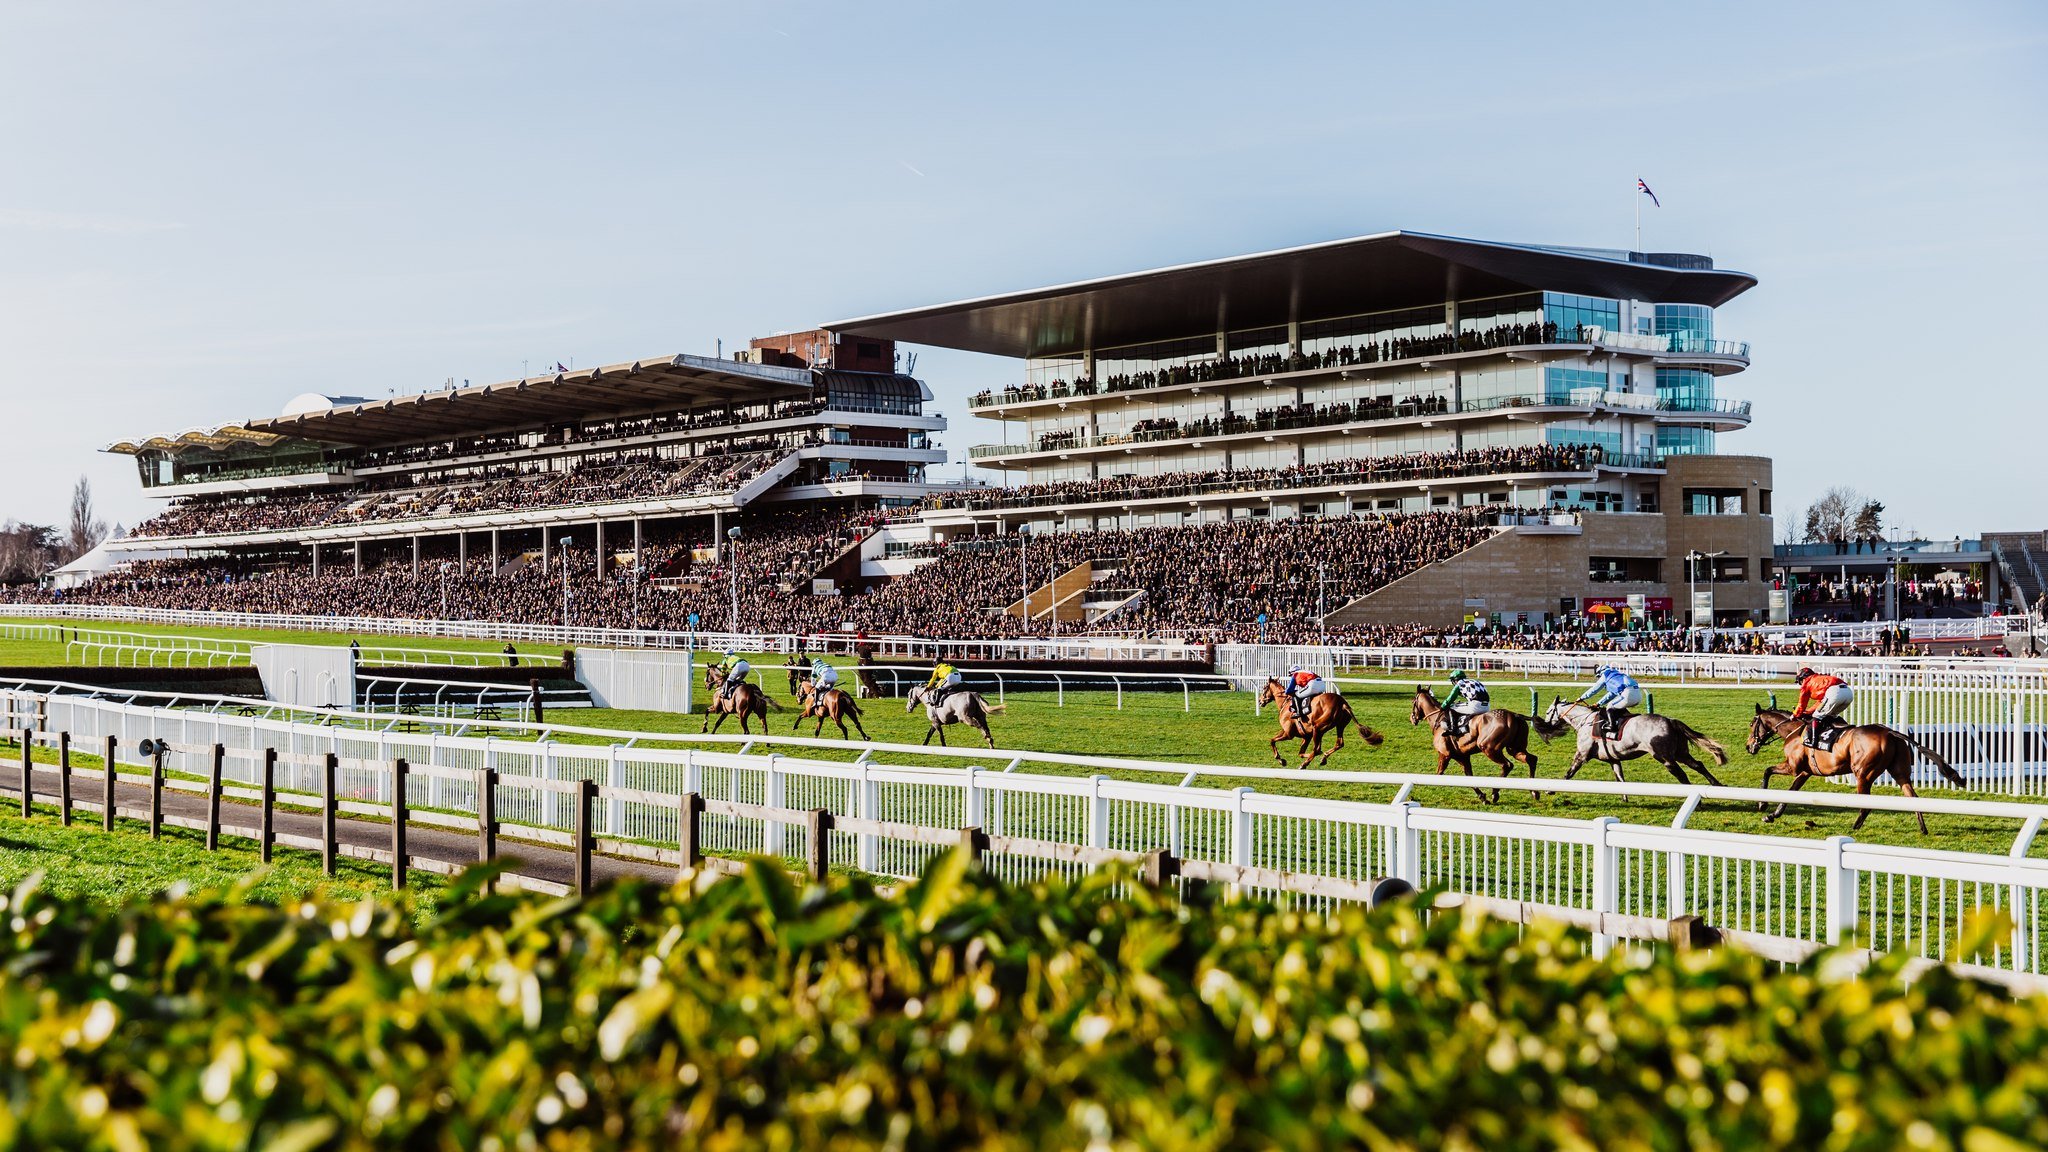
(213, 775)
(266, 834)
(64, 778)
(156, 791)
(107, 785)
(399, 771)
(818, 844)
(586, 795)
(1693, 934)
(28, 760)
(329, 770)
(974, 842)
(487, 818)
(690, 831)
(1160, 868)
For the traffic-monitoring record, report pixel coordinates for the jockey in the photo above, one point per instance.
(733, 672)
(1828, 697)
(943, 680)
(1302, 687)
(1622, 694)
(823, 675)
(1466, 699)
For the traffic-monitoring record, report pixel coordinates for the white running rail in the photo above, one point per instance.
(1921, 901)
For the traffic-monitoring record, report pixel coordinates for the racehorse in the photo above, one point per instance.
(1495, 735)
(960, 706)
(1328, 713)
(743, 701)
(834, 704)
(1867, 750)
(864, 673)
(1661, 738)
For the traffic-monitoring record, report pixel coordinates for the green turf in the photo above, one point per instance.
(1221, 729)
(87, 860)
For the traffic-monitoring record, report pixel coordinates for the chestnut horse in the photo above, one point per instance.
(834, 704)
(1495, 735)
(743, 701)
(1328, 713)
(1870, 751)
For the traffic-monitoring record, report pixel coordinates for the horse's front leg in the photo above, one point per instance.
(1799, 779)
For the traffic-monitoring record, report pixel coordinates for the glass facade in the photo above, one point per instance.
(1682, 441)
(1560, 383)
(1685, 389)
(1690, 320)
(1568, 312)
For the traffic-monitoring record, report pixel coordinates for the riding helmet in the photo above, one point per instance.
(1457, 675)
(1802, 674)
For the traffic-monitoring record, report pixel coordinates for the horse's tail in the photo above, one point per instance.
(1935, 758)
(768, 703)
(988, 708)
(1712, 746)
(1532, 723)
(849, 704)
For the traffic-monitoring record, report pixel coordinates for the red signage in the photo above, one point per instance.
(1653, 603)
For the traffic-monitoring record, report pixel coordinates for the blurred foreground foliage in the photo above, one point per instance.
(958, 1012)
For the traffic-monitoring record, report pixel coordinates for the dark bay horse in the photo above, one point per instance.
(1869, 751)
(1495, 735)
(834, 704)
(744, 701)
(1328, 713)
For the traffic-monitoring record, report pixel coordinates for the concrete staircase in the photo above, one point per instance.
(2023, 556)
(1060, 599)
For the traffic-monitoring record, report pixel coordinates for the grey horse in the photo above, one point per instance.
(1661, 738)
(960, 707)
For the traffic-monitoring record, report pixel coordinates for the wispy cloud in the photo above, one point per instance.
(32, 220)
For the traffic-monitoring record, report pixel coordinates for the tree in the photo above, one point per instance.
(1832, 518)
(26, 551)
(1869, 523)
(86, 531)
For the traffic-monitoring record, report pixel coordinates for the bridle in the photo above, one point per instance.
(1777, 731)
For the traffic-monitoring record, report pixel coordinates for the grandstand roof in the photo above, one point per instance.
(1338, 278)
(217, 439)
(637, 386)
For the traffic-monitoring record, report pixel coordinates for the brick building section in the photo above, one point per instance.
(1535, 569)
(818, 348)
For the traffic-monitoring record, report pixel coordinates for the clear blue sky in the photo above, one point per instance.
(208, 208)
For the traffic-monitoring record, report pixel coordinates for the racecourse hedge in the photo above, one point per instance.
(959, 1012)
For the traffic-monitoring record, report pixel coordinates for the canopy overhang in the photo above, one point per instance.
(1315, 282)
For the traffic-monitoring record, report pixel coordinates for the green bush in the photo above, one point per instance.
(960, 1012)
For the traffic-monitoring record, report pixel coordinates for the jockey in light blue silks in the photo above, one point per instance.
(733, 671)
(1621, 693)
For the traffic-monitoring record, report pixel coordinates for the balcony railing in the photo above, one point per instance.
(1368, 352)
(1318, 477)
(1341, 415)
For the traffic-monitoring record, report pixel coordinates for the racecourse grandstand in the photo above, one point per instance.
(1342, 440)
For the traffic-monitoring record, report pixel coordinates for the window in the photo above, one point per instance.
(1713, 501)
(1560, 383)
(1763, 501)
(1571, 313)
(1624, 569)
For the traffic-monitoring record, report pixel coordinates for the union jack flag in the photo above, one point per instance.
(1645, 190)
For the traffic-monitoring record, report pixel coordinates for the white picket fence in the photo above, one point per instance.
(1819, 891)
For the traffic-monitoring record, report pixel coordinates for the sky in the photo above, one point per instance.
(206, 209)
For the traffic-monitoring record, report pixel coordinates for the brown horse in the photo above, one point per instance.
(1495, 735)
(834, 704)
(1869, 751)
(1328, 713)
(745, 700)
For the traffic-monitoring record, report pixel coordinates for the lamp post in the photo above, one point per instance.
(636, 593)
(1692, 578)
(565, 581)
(733, 561)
